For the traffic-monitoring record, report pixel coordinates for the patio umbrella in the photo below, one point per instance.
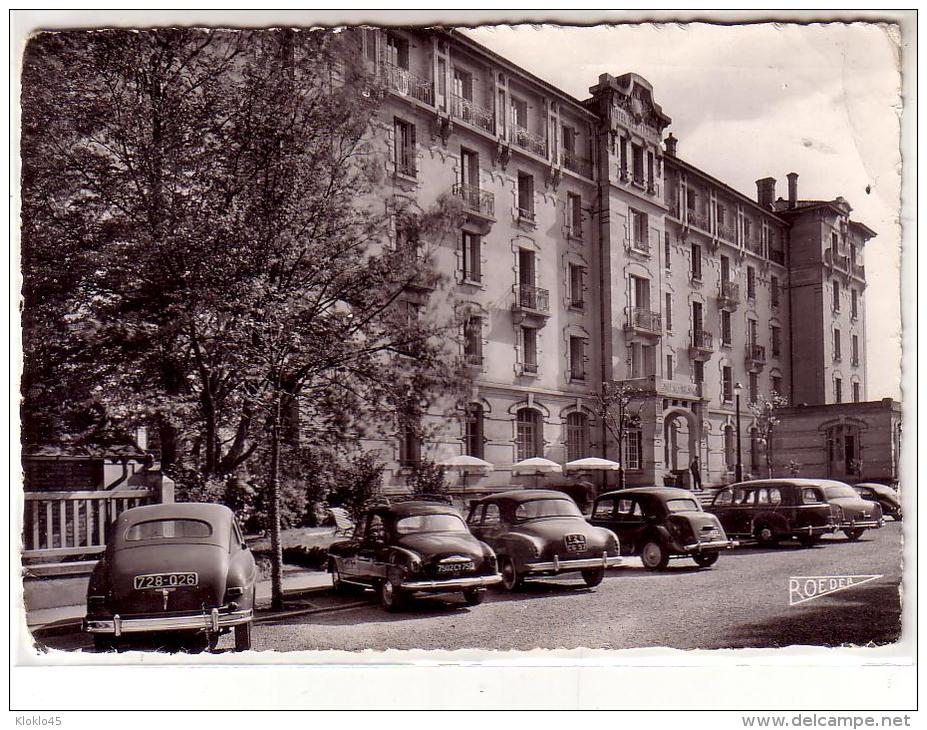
(466, 465)
(536, 466)
(592, 464)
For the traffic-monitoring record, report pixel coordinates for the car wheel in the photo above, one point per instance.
(854, 534)
(765, 536)
(809, 540)
(654, 555)
(511, 581)
(104, 642)
(338, 585)
(391, 597)
(706, 560)
(593, 576)
(474, 596)
(243, 637)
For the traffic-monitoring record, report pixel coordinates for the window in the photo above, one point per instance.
(167, 529)
(470, 176)
(698, 371)
(720, 213)
(473, 341)
(852, 253)
(376, 530)
(632, 448)
(410, 447)
(838, 390)
(519, 112)
(854, 349)
(837, 355)
(698, 323)
(667, 251)
(575, 215)
(397, 51)
(529, 350)
(649, 169)
(639, 239)
(691, 198)
(577, 275)
(854, 303)
(463, 84)
(856, 395)
(577, 436)
(843, 450)
(623, 158)
(526, 196)
(727, 384)
(748, 230)
(471, 258)
(637, 161)
(754, 387)
(530, 441)
(604, 509)
(669, 367)
(775, 334)
(473, 431)
(775, 385)
(725, 327)
(668, 312)
(751, 283)
(774, 291)
(640, 292)
(491, 515)
(836, 292)
(725, 269)
(730, 458)
(629, 508)
(833, 242)
(404, 147)
(577, 358)
(643, 360)
(696, 262)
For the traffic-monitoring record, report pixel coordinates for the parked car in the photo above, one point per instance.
(853, 514)
(410, 547)
(178, 568)
(659, 523)
(771, 510)
(889, 499)
(538, 532)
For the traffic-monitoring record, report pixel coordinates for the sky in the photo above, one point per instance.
(753, 101)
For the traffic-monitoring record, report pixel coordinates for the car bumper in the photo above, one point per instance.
(701, 547)
(451, 584)
(207, 621)
(861, 524)
(563, 565)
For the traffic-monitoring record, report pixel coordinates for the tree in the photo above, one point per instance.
(613, 407)
(765, 421)
(427, 479)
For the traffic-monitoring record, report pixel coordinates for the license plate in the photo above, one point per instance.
(575, 543)
(455, 567)
(165, 580)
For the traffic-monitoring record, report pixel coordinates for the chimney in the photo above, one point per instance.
(766, 191)
(670, 143)
(793, 188)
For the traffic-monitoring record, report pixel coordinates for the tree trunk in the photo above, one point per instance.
(276, 550)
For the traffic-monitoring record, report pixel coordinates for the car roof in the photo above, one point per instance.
(875, 486)
(217, 515)
(525, 495)
(804, 482)
(665, 492)
(405, 509)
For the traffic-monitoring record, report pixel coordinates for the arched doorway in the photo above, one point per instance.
(681, 437)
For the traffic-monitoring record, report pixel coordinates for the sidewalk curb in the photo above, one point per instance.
(71, 625)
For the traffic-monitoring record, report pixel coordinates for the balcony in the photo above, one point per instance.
(644, 321)
(650, 385)
(674, 209)
(858, 271)
(727, 233)
(531, 304)
(473, 360)
(411, 260)
(479, 202)
(701, 345)
(471, 113)
(577, 164)
(777, 257)
(728, 295)
(528, 368)
(699, 220)
(529, 141)
(405, 83)
(755, 357)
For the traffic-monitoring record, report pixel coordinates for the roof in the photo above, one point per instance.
(666, 492)
(803, 482)
(404, 509)
(524, 495)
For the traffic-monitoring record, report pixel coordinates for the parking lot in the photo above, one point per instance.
(742, 601)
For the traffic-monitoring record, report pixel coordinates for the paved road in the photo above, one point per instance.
(742, 601)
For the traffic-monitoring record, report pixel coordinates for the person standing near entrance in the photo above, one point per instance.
(696, 475)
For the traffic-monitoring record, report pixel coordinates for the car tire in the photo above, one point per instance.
(809, 540)
(474, 596)
(511, 580)
(104, 642)
(765, 536)
(338, 585)
(654, 555)
(706, 560)
(593, 576)
(393, 599)
(243, 637)
(854, 534)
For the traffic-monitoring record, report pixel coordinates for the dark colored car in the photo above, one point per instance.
(170, 568)
(413, 547)
(537, 532)
(659, 523)
(774, 509)
(889, 500)
(853, 514)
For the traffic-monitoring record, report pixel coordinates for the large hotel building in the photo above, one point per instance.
(592, 251)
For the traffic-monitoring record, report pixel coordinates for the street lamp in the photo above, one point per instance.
(739, 466)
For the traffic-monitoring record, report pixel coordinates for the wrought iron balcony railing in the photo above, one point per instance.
(645, 320)
(696, 218)
(728, 293)
(777, 257)
(532, 297)
(472, 113)
(475, 199)
(701, 340)
(404, 82)
(756, 353)
(727, 233)
(529, 141)
(577, 164)
(473, 359)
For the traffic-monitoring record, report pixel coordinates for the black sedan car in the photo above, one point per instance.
(889, 499)
(411, 547)
(853, 514)
(659, 523)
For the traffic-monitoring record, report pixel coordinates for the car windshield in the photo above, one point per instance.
(430, 523)
(168, 530)
(681, 505)
(840, 491)
(538, 508)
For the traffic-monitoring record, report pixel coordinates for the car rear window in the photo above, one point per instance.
(810, 496)
(537, 508)
(842, 490)
(167, 530)
(681, 505)
(430, 523)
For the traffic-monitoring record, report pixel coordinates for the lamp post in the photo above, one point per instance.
(739, 466)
